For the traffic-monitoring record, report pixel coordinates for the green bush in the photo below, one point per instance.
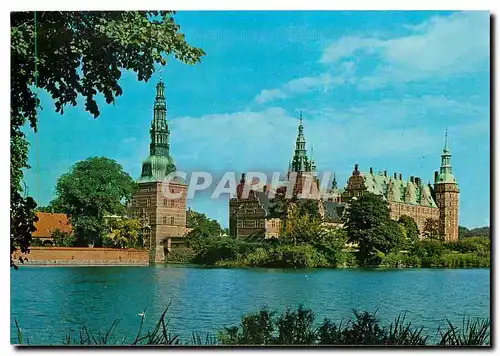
(210, 251)
(480, 245)
(464, 260)
(63, 239)
(181, 255)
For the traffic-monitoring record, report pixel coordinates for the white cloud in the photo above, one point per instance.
(440, 47)
(261, 140)
(269, 95)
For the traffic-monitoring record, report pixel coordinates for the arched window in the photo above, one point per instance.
(164, 220)
(172, 220)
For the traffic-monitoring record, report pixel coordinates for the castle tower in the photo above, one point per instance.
(303, 166)
(161, 216)
(447, 192)
(299, 161)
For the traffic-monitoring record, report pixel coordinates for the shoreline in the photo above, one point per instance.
(193, 265)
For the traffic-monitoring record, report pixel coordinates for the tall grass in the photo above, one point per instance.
(295, 327)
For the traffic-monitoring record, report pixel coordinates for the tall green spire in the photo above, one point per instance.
(159, 132)
(159, 163)
(445, 171)
(299, 161)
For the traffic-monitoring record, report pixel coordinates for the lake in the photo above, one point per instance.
(51, 302)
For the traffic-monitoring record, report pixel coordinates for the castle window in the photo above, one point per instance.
(172, 221)
(164, 220)
(165, 201)
(148, 202)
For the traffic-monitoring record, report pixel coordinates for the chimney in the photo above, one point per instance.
(242, 178)
(395, 176)
(356, 167)
(417, 180)
(411, 179)
(435, 176)
(371, 170)
(385, 173)
(265, 189)
(400, 176)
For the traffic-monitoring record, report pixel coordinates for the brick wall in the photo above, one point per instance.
(84, 256)
(419, 213)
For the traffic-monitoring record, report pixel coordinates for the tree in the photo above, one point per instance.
(368, 223)
(122, 233)
(78, 54)
(431, 229)
(367, 212)
(301, 228)
(54, 206)
(63, 239)
(94, 188)
(202, 226)
(410, 228)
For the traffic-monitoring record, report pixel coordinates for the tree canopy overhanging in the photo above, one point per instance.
(78, 54)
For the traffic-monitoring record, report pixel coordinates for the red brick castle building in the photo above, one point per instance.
(412, 197)
(161, 217)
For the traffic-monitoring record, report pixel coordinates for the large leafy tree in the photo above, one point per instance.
(368, 223)
(301, 227)
(78, 54)
(94, 188)
(410, 228)
(123, 233)
(202, 226)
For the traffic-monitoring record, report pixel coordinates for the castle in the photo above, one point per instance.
(439, 201)
(162, 218)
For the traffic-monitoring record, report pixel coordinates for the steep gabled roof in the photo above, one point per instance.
(48, 222)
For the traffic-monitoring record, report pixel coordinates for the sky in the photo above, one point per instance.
(375, 88)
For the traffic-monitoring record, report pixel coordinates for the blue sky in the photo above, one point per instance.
(375, 88)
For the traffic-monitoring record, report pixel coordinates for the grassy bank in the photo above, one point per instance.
(230, 252)
(295, 327)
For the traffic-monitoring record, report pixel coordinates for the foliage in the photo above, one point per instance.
(35, 242)
(367, 212)
(479, 245)
(431, 229)
(297, 328)
(464, 233)
(368, 223)
(331, 245)
(54, 206)
(281, 205)
(300, 228)
(22, 218)
(410, 228)
(79, 54)
(202, 226)
(287, 256)
(210, 251)
(266, 328)
(181, 255)
(122, 233)
(63, 239)
(94, 188)
(474, 332)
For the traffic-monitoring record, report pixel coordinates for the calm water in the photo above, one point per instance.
(49, 302)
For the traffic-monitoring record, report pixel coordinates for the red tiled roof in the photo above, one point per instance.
(48, 222)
